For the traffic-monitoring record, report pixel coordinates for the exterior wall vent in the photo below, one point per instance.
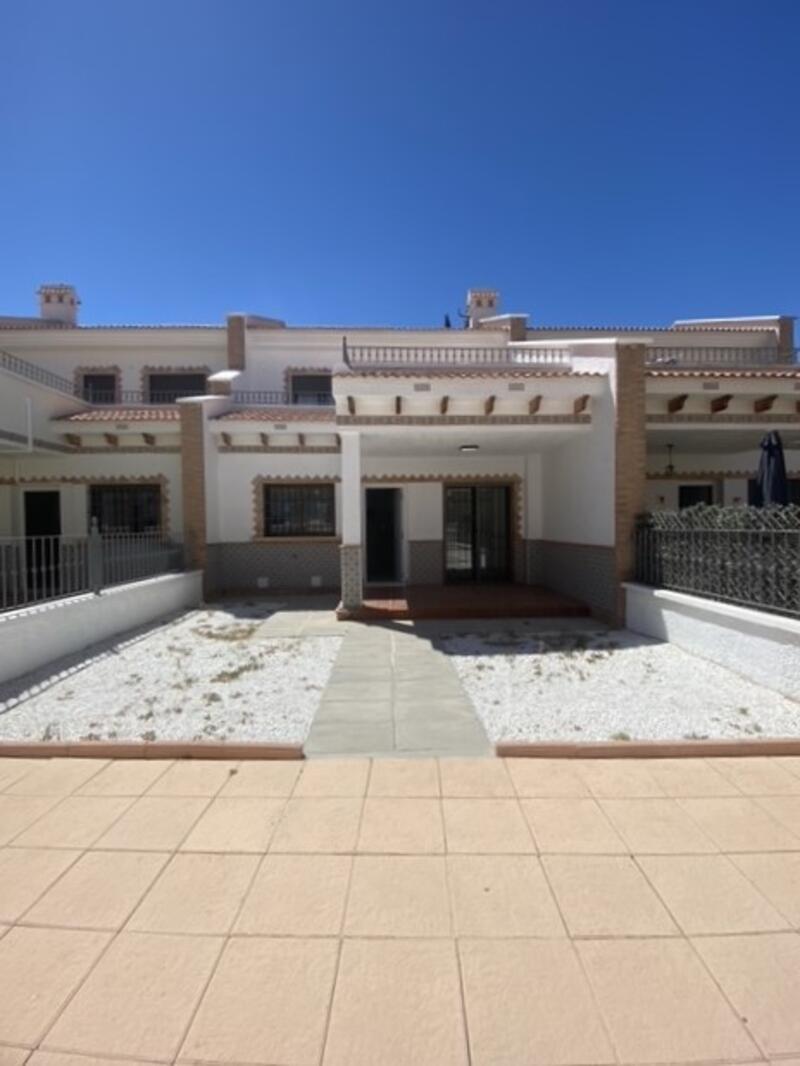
(516, 386)
(711, 386)
(422, 386)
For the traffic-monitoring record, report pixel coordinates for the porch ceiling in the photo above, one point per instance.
(717, 440)
(447, 440)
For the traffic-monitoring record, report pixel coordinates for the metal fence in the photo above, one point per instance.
(744, 555)
(281, 398)
(36, 569)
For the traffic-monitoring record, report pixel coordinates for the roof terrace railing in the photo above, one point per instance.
(35, 373)
(278, 398)
(441, 357)
(719, 358)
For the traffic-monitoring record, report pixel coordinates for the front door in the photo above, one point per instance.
(383, 535)
(477, 542)
(42, 530)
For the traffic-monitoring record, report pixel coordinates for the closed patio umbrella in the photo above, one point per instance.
(771, 485)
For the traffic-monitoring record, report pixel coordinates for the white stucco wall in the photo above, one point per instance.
(762, 647)
(35, 636)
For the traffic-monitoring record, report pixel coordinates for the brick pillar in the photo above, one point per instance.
(237, 329)
(630, 450)
(193, 484)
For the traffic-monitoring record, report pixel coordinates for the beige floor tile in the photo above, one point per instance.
(297, 895)
(690, 778)
(138, 1000)
(58, 777)
(398, 895)
(486, 826)
(739, 825)
(19, 812)
(606, 895)
(193, 777)
(55, 1058)
(99, 891)
(14, 1056)
(789, 762)
(76, 822)
(786, 810)
(267, 777)
(318, 825)
(760, 975)
(333, 777)
(125, 777)
(13, 770)
(267, 1003)
(619, 778)
(501, 896)
(546, 777)
(196, 894)
(397, 1002)
(401, 826)
(707, 894)
(241, 824)
(571, 826)
(154, 824)
(528, 1002)
(777, 876)
(656, 827)
(660, 1004)
(404, 778)
(25, 873)
(475, 778)
(756, 776)
(39, 970)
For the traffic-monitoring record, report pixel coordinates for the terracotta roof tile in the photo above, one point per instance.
(428, 372)
(763, 372)
(279, 414)
(126, 414)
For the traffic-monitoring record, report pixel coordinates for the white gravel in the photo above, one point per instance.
(610, 686)
(203, 676)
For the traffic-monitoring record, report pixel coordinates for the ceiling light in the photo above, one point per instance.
(468, 448)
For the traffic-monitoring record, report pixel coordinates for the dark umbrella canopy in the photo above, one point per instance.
(772, 486)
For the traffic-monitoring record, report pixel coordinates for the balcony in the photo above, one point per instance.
(719, 358)
(395, 357)
(280, 398)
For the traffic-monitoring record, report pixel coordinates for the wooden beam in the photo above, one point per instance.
(226, 439)
(338, 440)
(766, 403)
(720, 403)
(351, 405)
(301, 439)
(398, 405)
(580, 405)
(444, 403)
(534, 404)
(264, 439)
(72, 439)
(488, 407)
(112, 439)
(677, 403)
(149, 439)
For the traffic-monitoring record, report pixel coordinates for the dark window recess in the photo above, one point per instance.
(299, 511)
(126, 508)
(167, 388)
(794, 491)
(311, 389)
(689, 495)
(99, 388)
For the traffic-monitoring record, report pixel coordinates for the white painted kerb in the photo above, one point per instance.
(35, 636)
(762, 647)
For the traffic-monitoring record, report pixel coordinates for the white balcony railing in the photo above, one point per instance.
(719, 358)
(441, 357)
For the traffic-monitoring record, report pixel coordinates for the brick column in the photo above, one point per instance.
(351, 549)
(237, 330)
(630, 450)
(193, 484)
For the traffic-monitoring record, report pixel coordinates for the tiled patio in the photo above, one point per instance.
(410, 912)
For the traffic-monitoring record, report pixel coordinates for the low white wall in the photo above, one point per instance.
(35, 636)
(762, 647)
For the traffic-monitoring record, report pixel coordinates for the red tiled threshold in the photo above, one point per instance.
(413, 602)
(647, 749)
(151, 749)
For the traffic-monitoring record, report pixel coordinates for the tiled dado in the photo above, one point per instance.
(237, 566)
(352, 576)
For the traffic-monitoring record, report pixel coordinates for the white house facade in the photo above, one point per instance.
(348, 458)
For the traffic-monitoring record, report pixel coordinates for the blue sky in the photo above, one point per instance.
(367, 160)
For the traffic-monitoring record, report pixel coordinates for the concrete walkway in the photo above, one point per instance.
(399, 912)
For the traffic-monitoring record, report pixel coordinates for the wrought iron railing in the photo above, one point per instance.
(24, 369)
(719, 358)
(36, 569)
(743, 555)
(279, 398)
(441, 357)
(134, 397)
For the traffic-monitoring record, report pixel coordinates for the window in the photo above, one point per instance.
(311, 389)
(167, 388)
(299, 511)
(126, 508)
(689, 495)
(794, 490)
(99, 388)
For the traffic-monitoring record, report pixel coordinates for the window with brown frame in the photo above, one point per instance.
(126, 508)
(299, 511)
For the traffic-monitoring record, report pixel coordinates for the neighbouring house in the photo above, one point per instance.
(340, 457)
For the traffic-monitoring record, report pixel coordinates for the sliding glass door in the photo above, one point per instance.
(477, 533)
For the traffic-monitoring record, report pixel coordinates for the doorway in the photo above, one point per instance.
(42, 549)
(691, 495)
(477, 527)
(384, 537)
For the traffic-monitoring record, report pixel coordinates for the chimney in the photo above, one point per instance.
(58, 303)
(481, 303)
